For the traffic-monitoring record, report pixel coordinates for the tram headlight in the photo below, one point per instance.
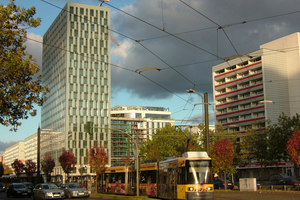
(190, 189)
(210, 188)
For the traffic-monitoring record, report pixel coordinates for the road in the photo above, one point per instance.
(219, 195)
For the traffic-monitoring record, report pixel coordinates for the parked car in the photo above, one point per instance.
(29, 185)
(288, 181)
(18, 190)
(220, 184)
(74, 190)
(2, 187)
(47, 191)
(274, 178)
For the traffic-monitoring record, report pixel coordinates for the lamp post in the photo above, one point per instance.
(205, 116)
(194, 91)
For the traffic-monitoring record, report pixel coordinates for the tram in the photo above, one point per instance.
(186, 177)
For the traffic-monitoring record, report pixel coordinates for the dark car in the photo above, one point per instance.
(18, 190)
(29, 185)
(2, 187)
(288, 181)
(74, 190)
(220, 184)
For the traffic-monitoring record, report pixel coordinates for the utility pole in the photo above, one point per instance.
(206, 124)
(38, 154)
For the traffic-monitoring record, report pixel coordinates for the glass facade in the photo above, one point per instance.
(76, 50)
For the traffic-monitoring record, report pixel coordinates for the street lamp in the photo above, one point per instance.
(194, 91)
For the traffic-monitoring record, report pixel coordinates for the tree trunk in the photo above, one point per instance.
(225, 186)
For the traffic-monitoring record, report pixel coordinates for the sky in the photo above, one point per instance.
(183, 39)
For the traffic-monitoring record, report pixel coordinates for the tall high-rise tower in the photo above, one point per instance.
(76, 57)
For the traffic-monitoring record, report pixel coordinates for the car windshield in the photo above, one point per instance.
(200, 172)
(295, 180)
(49, 186)
(19, 186)
(74, 186)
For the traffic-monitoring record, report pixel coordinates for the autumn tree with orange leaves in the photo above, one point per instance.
(97, 160)
(48, 165)
(125, 159)
(293, 148)
(29, 168)
(67, 161)
(18, 167)
(222, 157)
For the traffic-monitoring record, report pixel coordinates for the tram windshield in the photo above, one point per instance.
(200, 172)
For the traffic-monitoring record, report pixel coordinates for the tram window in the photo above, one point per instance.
(181, 175)
(148, 176)
(200, 172)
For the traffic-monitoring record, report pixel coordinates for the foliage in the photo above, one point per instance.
(19, 92)
(48, 165)
(7, 170)
(29, 168)
(279, 134)
(125, 159)
(169, 141)
(18, 167)
(97, 159)
(67, 161)
(293, 147)
(222, 155)
(1, 169)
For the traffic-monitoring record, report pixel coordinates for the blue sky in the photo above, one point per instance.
(179, 37)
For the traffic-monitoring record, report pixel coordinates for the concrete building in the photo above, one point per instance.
(136, 121)
(249, 89)
(76, 57)
(30, 148)
(258, 86)
(14, 152)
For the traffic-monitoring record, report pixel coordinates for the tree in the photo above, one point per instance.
(125, 159)
(293, 148)
(169, 141)
(1, 169)
(222, 157)
(97, 160)
(29, 168)
(18, 167)
(48, 165)
(19, 92)
(67, 161)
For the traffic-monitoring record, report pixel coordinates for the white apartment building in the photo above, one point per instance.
(14, 152)
(270, 75)
(30, 148)
(76, 67)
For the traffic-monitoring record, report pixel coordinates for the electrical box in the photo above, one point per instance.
(247, 184)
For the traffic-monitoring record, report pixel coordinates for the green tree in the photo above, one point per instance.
(169, 141)
(222, 157)
(279, 133)
(67, 161)
(19, 92)
(48, 165)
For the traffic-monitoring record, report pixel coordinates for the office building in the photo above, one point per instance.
(76, 57)
(129, 123)
(30, 148)
(261, 85)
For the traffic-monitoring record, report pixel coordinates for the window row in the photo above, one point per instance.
(240, 96)
(239, 107)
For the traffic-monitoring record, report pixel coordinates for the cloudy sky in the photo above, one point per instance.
(183, 39)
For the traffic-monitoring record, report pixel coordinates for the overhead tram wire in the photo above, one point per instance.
(126, 68)
(165, 32)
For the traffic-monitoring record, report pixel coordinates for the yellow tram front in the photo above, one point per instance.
(186, 177)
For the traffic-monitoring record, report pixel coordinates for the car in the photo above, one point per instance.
(47, 191)
(220, 184)
(288, 181)
(18, 190)
(2, 187)
(74, 190)
(29, 185)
